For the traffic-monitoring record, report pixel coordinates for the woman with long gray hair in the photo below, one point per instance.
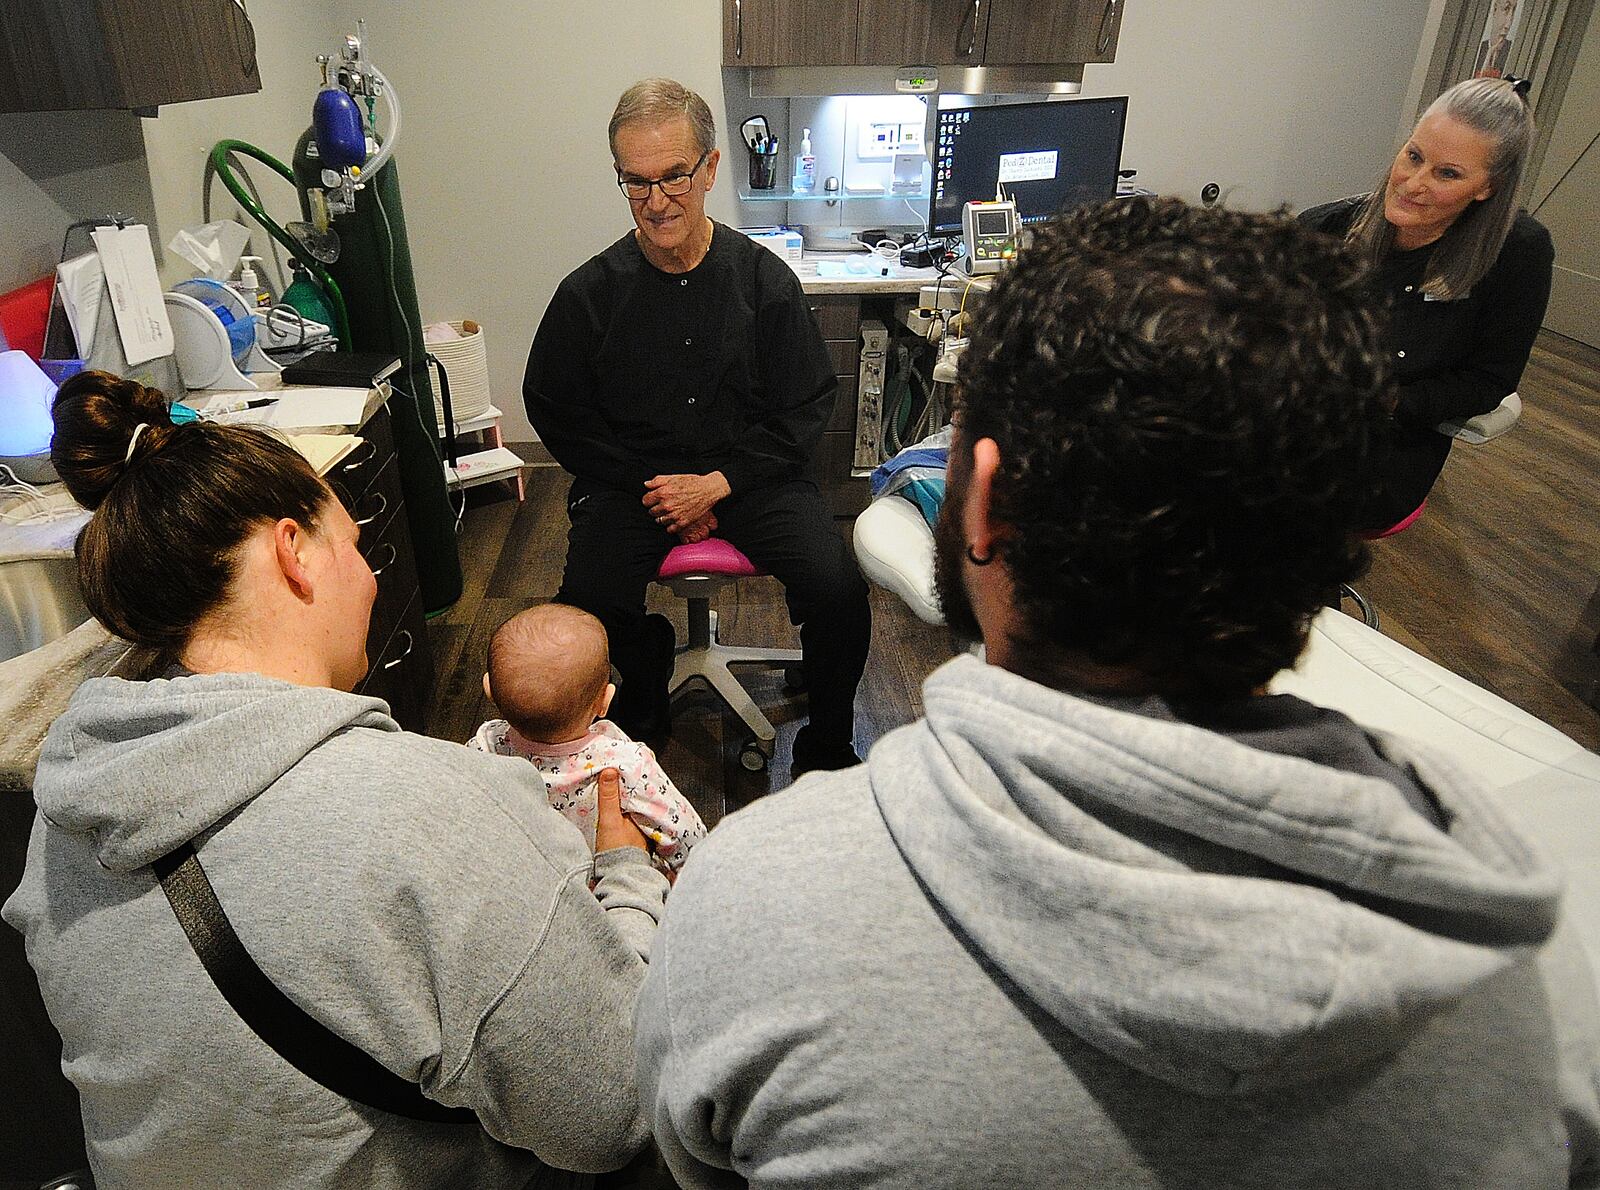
(1465, 272)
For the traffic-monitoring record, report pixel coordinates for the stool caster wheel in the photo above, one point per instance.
(794, 677)
(752, 758)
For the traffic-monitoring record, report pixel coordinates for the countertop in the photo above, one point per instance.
(899, 279)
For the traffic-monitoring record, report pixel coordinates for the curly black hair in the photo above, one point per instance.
(1186, 403)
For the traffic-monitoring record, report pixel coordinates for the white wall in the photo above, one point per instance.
(507, 178)
(1276, 103)
(57, 168)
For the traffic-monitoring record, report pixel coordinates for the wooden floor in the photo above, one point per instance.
(1500, 578)
(1499, 581)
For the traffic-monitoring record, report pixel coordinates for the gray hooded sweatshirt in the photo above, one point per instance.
(1041, 941)
(420, 899)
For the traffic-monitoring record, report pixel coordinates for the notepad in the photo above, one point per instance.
(306, 408)
(324, 451)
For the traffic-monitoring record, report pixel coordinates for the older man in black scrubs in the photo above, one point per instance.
(680, 377)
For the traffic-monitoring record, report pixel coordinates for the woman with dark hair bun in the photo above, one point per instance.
(1466, 274)
(419, 900)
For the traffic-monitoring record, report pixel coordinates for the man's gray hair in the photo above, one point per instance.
(651, 101)
(1494, 109)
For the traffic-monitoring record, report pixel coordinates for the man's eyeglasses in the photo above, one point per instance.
(673, 185)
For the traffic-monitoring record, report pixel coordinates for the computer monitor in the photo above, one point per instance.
(1044, 155)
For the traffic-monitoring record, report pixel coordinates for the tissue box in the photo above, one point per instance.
(782, 240)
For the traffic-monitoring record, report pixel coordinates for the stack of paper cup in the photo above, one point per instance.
(459, 346)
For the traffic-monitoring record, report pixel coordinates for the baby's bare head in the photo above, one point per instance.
(548, 670)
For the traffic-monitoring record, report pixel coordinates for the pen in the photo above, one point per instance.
(236, 405)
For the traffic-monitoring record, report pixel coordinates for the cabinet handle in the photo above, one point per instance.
(1108, 25)
(738, 29)
(410, 641)
(972, 40)
(387, 562)
(355, 464)
(383, 507)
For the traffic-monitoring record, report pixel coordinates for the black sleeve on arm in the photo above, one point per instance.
(559, 390)
(1515, 293)
(795, 383)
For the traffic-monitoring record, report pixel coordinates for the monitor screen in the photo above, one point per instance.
(1044, 155)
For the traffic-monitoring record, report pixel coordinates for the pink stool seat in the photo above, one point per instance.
(711, 556)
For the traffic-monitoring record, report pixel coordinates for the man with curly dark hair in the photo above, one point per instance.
(1109, 915)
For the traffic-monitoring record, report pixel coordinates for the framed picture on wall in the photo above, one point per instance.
(1499, 32)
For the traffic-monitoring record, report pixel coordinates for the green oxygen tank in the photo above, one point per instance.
(307, 297)
(374, 274)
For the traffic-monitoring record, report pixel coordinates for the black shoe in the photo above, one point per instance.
(814, 755)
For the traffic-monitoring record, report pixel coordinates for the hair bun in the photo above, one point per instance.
(95, 416)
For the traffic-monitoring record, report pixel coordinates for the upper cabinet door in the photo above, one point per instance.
(921, 32)
(71, 55)
(788, 32)
(1024, 31)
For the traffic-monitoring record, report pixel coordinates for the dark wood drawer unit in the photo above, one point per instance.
(839, 319)
(402, 674)
(838, 316)
(398, 652)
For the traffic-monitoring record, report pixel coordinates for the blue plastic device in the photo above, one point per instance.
(336, 123)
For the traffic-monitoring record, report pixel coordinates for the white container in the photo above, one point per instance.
(785, 242)
(467, 361)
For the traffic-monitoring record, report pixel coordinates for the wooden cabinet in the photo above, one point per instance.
(839, 319)
(788, 32)
(1025, 31)
(400, 661)
(919, 32)
(902, 32)
(67, 55)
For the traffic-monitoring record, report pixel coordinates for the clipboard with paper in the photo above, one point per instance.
(108, 312)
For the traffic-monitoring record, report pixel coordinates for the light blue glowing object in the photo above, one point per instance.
(25, 396)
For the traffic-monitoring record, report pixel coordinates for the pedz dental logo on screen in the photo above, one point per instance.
(1028, 167)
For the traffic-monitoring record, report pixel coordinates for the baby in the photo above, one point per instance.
(548, 675)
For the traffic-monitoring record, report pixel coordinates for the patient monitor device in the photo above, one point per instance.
(989, 230)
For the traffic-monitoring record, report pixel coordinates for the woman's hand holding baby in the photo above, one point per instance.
(612, 827)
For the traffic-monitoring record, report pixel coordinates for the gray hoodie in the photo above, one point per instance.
(1041, 941)
(418, 898)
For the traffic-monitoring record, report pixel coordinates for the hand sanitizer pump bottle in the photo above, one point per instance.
(805, 166)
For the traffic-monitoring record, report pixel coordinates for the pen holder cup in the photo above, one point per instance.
(763, 169)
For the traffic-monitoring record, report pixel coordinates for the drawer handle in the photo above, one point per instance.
(738, 27)
(410, 641)
(387, 562)
(355, 464)
(1108, 25)
(972, 40)
(383, 507)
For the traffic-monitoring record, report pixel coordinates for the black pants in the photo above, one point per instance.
(615, 547)
(1416, 456)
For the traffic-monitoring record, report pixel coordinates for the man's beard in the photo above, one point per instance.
(949, 551)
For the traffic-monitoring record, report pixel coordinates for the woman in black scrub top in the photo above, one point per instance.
(1465, 273)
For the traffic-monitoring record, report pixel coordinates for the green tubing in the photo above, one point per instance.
(219, 163)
